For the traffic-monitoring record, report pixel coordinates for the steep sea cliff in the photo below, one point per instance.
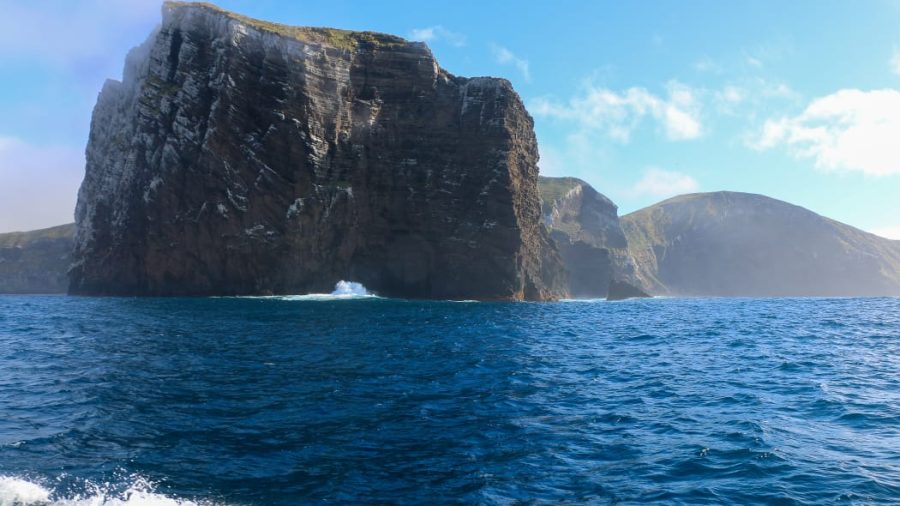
(243, 157)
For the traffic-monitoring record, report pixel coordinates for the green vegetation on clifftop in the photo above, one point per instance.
(555, 188)
(341, 39)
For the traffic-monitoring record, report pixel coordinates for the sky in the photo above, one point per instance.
(796, 100)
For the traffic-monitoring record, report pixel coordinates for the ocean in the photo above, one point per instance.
(351, 399)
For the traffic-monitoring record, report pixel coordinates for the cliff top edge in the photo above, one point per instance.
(335, 37)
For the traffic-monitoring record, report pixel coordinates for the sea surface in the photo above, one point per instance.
(360, 400)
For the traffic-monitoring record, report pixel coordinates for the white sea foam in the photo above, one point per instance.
(19, 492)
(583, 301)
(343, 290)
(349, 288)
(140, 492)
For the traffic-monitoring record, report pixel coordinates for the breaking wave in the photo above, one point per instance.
(343, 290)
(351, 288)
(140, 492)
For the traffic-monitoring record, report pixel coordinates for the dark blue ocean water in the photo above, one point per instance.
(273, 401)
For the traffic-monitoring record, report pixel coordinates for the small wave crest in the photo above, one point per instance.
(351, 288)
(343, 290)
(139, 492)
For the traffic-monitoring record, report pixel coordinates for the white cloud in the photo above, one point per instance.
(506, 57)
(437, 32)
(888, 232)
(38, 184)
(660, 183)
(895, 61)
(760, 55)
(851, 130)
(618, 114)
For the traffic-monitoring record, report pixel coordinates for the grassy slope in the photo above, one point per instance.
(554, 188)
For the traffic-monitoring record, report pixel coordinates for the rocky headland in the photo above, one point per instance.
(585, 226)
(36, 261)
(239, 156)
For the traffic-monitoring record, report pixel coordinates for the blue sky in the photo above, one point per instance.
(796, 100)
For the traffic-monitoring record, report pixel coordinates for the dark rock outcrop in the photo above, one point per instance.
(243, 157)
(585, 226)
(740, 244)
(36, 261)
(620, 290)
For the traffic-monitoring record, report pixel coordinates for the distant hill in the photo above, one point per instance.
(36, 261)
(741, 244)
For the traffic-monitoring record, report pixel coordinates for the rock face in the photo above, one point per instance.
(244, 157)
(619, 290)
(36, 261)
(585, 226)
(740, 244)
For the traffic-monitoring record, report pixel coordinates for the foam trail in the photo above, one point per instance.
(21, 492)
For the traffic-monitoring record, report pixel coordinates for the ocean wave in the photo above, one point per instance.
(343, 290)
(16, 491)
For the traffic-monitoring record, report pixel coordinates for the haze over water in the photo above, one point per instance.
(273, 401)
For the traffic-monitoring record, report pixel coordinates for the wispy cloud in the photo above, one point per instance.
(850, 129)
(895, 61)
(753, 61)
(659, 183)
(618, 114)
(506, 57)
(38, 184)
(706, 64)
(761, 55)
(436, 33)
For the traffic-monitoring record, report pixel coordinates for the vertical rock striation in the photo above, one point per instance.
(244, 157)
(585, 226)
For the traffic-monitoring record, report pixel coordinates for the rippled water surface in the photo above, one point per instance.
(274, 401)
